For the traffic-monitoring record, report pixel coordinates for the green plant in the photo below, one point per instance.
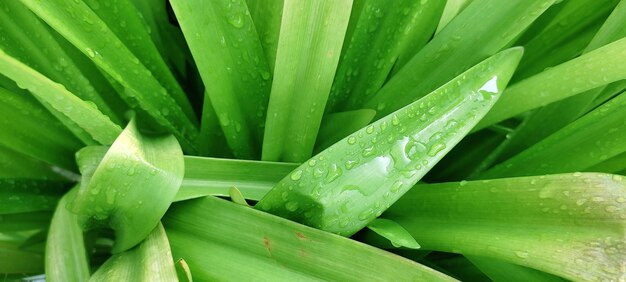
(346, 140)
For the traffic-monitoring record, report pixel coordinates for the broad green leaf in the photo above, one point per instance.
(613, 165)
(149, 261)
(420, 31)
(570, 225)
(38, 134)
(34, 44)
(130, 27)
(534, 128)
(17, 261)
(81, 117)
(499, 271)
(211, 176)
(131, 188)
(590, 140)
(309, 45)
(231, 62)
(17, 165)
(397, 235)
(23, 222)
(374, 46)
(211, 234)
(352, 182)
(337, 126)
(572, 19)
(613, 28)
(565, 80)
(451, 10)
(609, 92)
(66, 255)
(85, 30)
(29, 195)
(468, 39)
(266, 15)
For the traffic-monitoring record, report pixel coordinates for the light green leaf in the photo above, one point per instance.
(211, 176)
(266, 15)
(183, 271)
(451, 10)
(131, 188)
(375, 44)
(570, 225)
(141, 89)
(588, 141)
(349, 184)
(311, 37)
(83, 119)
(337, 126)
(149, 261)
(565, 80)
(211, 234)
(394, 232)
(232, 65)
(468, 39)
(66, 255)
(236, 196)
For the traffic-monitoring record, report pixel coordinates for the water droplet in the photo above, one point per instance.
(312, 162)
(366, 214)
(296, 175)
(521, 254)
(395, 120)
(291, 206)
(334, 172)
(436, 148)
(350, 164)
(90, 53)
(369, 129)
(611, 209)
(351, 140)
(236, 20)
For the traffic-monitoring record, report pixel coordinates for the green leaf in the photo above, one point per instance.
(80, 117)
(29, 195)
(38, 134)
(451, 10)
(311, 37)
(66, 255)
(183, 271)
(613, 165)
(130, 27)
(572, 148)
(211, 234)
(17, 261)
(131, 188)
(499, 271)
(468, 39)
(236, 196)
(17, 165)
(30, 41)
(232, 65)
(394, 232)
(266, 15)
(141, 89)
(337, 126)
(349, 184)
(375, 44)
(562, 81)
(149, 261)
(211, 176)
(570, 225)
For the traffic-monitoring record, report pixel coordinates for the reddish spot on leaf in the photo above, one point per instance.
(268, 244)
(300, 235)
